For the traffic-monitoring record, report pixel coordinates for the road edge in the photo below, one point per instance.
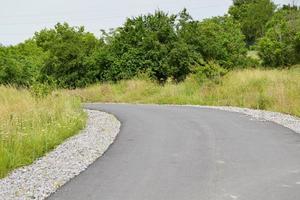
(286, 120)
(42, 178)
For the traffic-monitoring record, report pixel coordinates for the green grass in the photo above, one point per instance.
(30, 127)
(274, 90)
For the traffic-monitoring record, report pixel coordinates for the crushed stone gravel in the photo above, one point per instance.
(285, 120)
(47, 174)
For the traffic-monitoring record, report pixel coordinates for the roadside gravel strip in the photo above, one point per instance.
(47, 174)
(285, 120)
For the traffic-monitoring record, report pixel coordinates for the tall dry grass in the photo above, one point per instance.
(30, 127)
(269, 89)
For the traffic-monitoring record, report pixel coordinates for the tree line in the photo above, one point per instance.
(163, 46)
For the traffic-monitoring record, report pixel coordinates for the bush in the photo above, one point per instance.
(210, 71)
(68, 49)
(166, 47)
(253, 15)
(20, 65)
(40, 90)
(219, 39)
(148, 43)
(280, 45)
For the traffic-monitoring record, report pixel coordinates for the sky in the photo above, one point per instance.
(19, 19)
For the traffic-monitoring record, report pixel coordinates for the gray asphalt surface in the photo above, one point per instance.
(185, 153)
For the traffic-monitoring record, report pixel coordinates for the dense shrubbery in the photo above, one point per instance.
(21, 64)
(161, 45)
(210, 71)
(69, 49)
(147, 43)
(280, 45)
(219, 39)
(253, 16)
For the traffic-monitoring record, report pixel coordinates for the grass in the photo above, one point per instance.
(268, 89)
(30, 127)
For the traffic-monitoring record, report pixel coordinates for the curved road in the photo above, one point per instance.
(185, 153)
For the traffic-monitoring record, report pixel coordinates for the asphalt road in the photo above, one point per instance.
(185, 153)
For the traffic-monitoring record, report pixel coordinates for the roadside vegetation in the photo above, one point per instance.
(30, 126)
(248, 58)
(162, 45)
(267, 89)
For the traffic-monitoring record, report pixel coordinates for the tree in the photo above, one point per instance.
(280, 45)
(144, 42)
(161, 45)
(149, 43)
(182, 60)
(68, 48)
(20, 65)
(253, 16)
(218, 38)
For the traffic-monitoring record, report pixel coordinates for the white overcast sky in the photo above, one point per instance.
(19, 19)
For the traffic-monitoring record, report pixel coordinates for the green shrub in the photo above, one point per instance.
(280, 45)
(253, 15)
(40, 90)
(219, 39)
(68, 49)
(210, 71)
(20, 65)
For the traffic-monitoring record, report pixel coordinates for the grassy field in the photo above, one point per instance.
(30, 127)
(274, 90)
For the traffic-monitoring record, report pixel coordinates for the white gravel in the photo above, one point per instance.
(47, 174)
(285, 120)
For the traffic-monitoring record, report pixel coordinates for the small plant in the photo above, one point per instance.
(210, 71)
(40, 90)
(263, 101)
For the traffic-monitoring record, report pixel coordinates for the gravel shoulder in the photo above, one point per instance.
(47, 174)
(285, 120)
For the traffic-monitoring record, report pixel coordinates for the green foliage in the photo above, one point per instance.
(99, 64)
(280, 45)
(144, 44)
(163, 46)
(253, 16)
(297, 42)
(218, 39)
(210, 71)
(168, 46)
(147, 44)
(20, 65)
(40, 90)
(68, 49)
(181, 61)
